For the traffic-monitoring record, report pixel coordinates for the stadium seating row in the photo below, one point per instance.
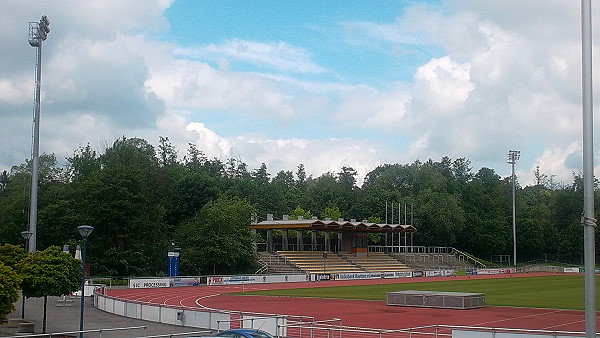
(330, 262)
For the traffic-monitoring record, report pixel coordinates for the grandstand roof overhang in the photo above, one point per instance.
(328, 225)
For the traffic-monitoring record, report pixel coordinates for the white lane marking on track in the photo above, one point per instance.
(564, 324)
(518, 318)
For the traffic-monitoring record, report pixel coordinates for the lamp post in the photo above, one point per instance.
(85, 231)
(513, 157)
(38, 32)
(26, 235)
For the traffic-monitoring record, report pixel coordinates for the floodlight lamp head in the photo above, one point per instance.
(44, 26)
(513, 156)
(38, 31)
(34, 36)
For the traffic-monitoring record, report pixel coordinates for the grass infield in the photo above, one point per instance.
(554, 292)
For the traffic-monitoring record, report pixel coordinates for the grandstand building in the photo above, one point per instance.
(351, 235)
(335, 246)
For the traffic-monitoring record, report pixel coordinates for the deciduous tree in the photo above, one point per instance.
(50, 272)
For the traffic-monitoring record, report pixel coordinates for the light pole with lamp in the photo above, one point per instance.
(26, 235)
(513, 157)
(38, 32)
(85, 231)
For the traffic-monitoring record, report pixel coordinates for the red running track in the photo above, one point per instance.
(360, 313)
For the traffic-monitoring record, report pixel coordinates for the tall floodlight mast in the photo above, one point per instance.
(38, 32)
(588, 220)
(513, 157)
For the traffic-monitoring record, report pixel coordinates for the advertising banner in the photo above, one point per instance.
(321, 276)
(146, 283)
(439, 273)
(495, 271)
(358, 275)
(185, 281)
(251, 279)
(397, 274)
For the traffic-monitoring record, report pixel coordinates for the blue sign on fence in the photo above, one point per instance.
(173, 264)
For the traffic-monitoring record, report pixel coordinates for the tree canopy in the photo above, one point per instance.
(50, 272)
(140, 199)
(9, 290)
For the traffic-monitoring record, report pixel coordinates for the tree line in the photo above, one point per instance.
(142, 200)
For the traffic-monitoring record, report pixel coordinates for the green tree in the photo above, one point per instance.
(3, 180)
(285, 194)
(189, 195)
(122, 202)
(167, 154)
(439, 218)
(9, 290)
(83, 163)
(14, 198)
(299, 212)
(50, 272)
(218, 239)
(11, 255)
(332, 213)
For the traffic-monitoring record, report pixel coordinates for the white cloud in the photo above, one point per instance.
(15, 92)
(442, 86)
(209, 142)
(190, 84)
(320, 156)
(367, 109)
(554, 162)
(279, 55)
(498, 78)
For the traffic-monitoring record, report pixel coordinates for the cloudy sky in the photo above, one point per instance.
(323, 83)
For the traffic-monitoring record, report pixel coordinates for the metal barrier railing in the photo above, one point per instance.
(185, 334)
(318, 330)
(98, 331)
(332, 331)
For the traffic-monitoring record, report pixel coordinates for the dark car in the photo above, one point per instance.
(244, 333)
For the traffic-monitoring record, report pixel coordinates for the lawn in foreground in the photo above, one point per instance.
(556, 292)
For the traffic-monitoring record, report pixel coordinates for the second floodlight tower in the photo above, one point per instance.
(38, 32)
(513, 157)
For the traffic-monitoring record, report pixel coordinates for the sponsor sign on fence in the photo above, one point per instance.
(252, 279)
(439, 273)
(185, 281)
(397, 274)
(321, 276)
(358, 275)
(495, 271)
(146, 283)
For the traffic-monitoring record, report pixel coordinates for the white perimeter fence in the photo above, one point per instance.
(295, 326)
(299, 326)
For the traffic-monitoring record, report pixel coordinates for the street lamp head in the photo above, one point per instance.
(26, 234)
(85, 231)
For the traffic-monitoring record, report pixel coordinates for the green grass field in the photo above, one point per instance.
(556, 292)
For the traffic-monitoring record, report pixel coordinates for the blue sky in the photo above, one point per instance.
(325, 84)
(328, 32)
